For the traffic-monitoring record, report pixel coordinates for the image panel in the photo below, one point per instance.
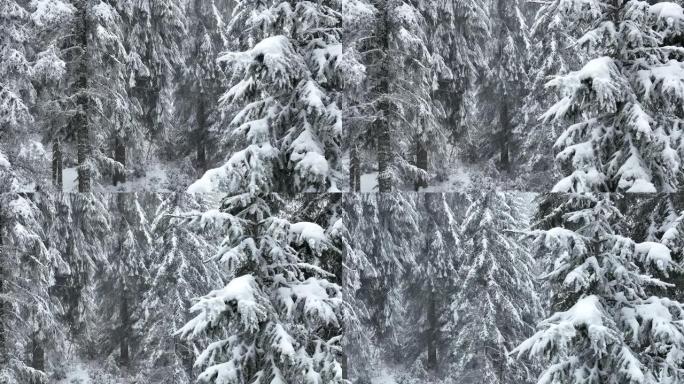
(503, 287)
(199, 96)
(442, 95)
(158, 288)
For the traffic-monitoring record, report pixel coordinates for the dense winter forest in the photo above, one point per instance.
(562, 95)
(341, 191)
(499, 288)
(141, 288)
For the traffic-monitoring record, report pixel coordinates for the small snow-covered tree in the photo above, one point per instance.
(22, 157)
(201, 82)
(550, 52)
(625, 103)
(29, 315)
(179, 272)
(124, 274)
(283, 114)
(360, 346)
(460, 32)
(498, 302)
(428, 281)
(504, 84)
(79, 230)
(608, 326)
(279, 319)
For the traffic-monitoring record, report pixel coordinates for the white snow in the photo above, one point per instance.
(156, 178)
(311, 233)
(243, 291)
(656, 254)
(642, 186)
(369, 182)
(51, 12)
(670, 12)
(384, 377)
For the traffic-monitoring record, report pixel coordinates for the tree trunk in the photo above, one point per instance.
(421, 162)
(201, 138)
(345, 367)
(125, 320)
(120, 157)
(505, 137)
(355, 170)
(382, 124)
(37, 352)
(432, 334)
(81, 118)
(57, 165)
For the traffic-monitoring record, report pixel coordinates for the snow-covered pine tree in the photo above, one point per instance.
(114, 114)
(498, 302)
(80, 231)
(360, 346)
(625, 103)
(201, 82)
(29, 316)
(123, 276)
(550, 53)
(22, 158)
(283, 115)
(179, 272)
(427, 283)
(460, 31)
(608, 326)
(154, 31)
(398, 114)
(279, 319)
(357, 24)
(504, 86)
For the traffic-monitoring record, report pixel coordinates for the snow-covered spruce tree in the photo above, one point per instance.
(29, 316)
(608, 327)
(282, 112)
(113, 115)
(497, 304)
(390, 223)
(401, 78)
(358, 113)
(625, 103)
(459, 31)
(427, 283)
(504, 85)
(22, 159)
(279, 319)
(550, 53)
(154, 31)
(179, 272)
(122, 277)
(80, 231)
(201, 82)
(360, 346)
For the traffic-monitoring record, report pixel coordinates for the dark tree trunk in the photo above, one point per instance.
(201, 137)
(125, 321)
(81, 118)
(382, 124)
(57, 165)
(432, 334)
(355, 170)
(345, 367)
(120, 157)
(505, 138)
(37, 353)
(421, 162)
